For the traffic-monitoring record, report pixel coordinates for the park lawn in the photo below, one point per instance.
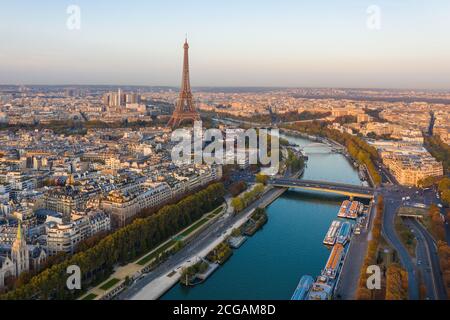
(109, 284)
(194, 226)
(90, 296)
(155, 253)
(216, 212)
(169, 244)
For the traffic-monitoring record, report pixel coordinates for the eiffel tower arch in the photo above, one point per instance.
(185, 109)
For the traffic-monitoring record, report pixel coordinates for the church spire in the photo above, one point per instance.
(19, 232)
(20, 240)
(19, 252)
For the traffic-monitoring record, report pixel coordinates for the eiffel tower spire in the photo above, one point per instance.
(185, 109)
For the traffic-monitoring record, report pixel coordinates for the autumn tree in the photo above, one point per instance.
(444, 259)
(363, 293)
(396, 283)
(121, 247)
(237, 187)
(262, 178)
(437, 224)
(238, 204)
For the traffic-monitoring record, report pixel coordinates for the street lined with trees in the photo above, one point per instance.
(439, 150)
(363, 293)
(241, 202)
(121, 247)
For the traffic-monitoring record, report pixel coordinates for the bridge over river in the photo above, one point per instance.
(324, 186)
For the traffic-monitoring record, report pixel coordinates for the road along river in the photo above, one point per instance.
(270, 264)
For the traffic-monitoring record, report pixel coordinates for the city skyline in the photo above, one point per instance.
(290, 44)
(310, 142)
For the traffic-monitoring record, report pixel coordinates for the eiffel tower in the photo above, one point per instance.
(185, 109)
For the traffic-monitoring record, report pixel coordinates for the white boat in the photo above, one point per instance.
(330, 237)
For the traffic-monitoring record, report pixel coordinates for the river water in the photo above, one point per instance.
(270, 264)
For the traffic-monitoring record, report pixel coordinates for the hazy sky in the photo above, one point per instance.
(233, 43)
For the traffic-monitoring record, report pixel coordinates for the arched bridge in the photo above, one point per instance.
(323, 186)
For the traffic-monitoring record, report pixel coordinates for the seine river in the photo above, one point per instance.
(270, 264)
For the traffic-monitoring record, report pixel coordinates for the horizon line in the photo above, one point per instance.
(224, 86)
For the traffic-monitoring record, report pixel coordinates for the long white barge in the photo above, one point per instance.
(330, 237)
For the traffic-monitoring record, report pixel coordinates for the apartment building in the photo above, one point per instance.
(411, 169)
(64, 237)
(64, 200)
(125, 203)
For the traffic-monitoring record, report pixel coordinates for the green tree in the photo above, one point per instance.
(238, 204)
(122, 246)
(262, 178)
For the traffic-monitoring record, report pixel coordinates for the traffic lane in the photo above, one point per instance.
(173, 262)
(426, 258)
(387, 174)
(422, 261)
(441, 292)
(391, 207)
(352, 268)
(209, 234)
(197, 244)
(170, 264)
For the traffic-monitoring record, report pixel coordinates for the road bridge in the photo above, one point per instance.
(324, 186)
